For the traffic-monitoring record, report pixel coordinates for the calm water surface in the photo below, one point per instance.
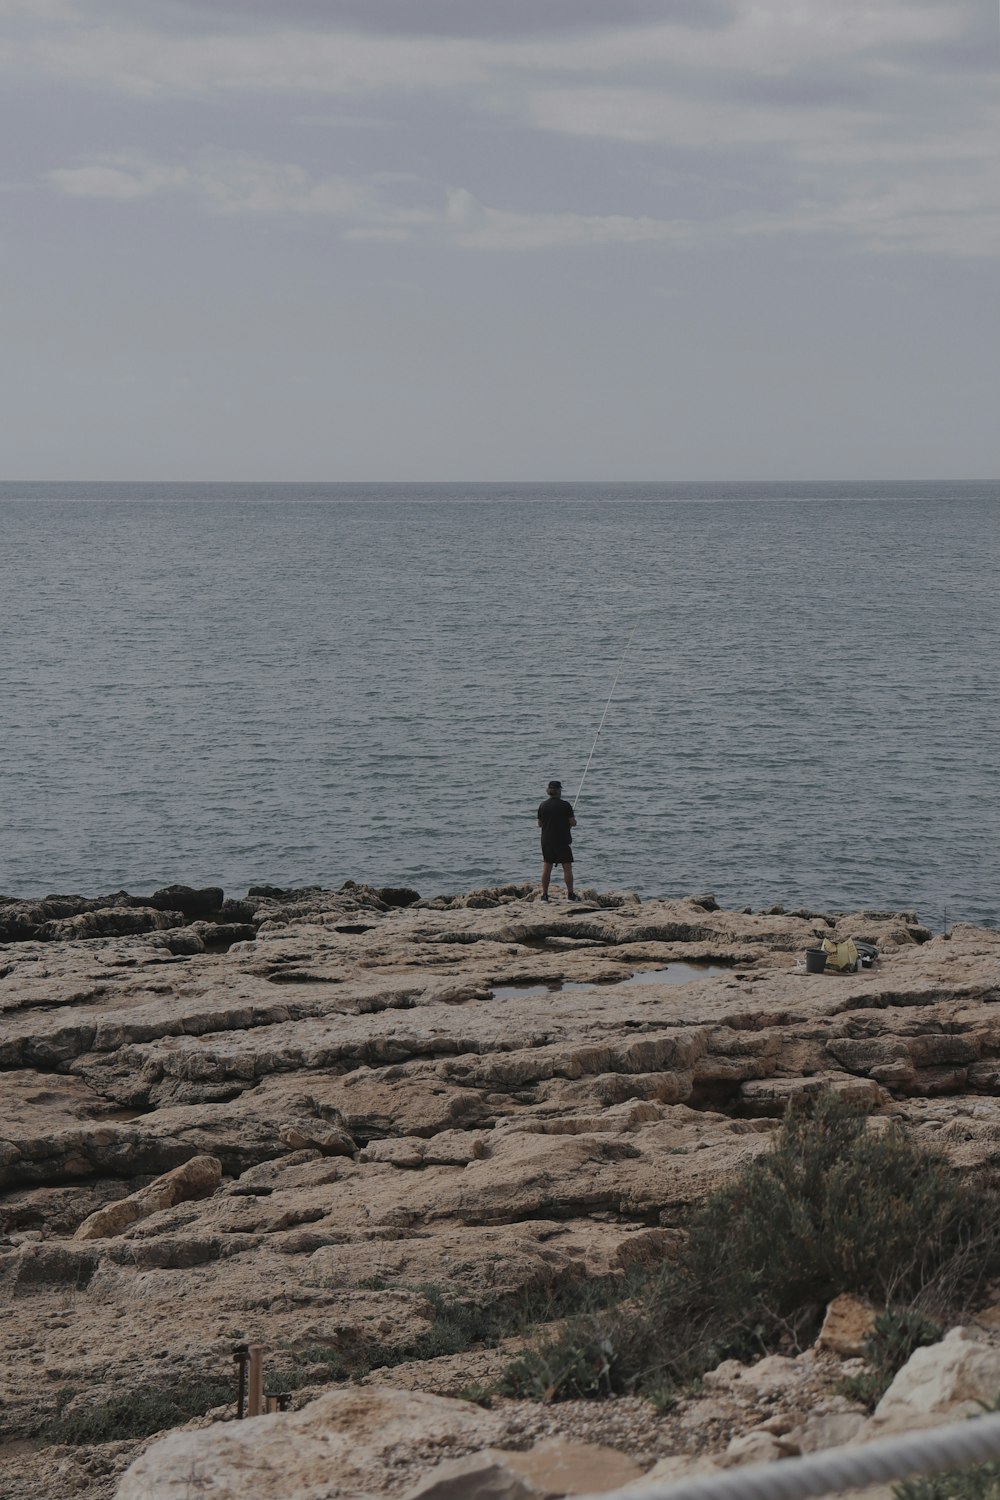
(234, 684)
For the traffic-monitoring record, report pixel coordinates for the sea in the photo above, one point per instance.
(296, 684)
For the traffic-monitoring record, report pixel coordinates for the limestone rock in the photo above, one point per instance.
(847, 1326)
(21, 921)
(197, 1178)
(477, 1096)
(772, 1096)
(772, 1373)
(940, 1383)
(184, 898)
(758, 1447)
(181, 941)
(359, 1436)
(674, 1468)
(826, 1429)
(52, 1264)
(559, 1466)
(113, 921)
(477, 1476)
(648, 1247)
(393, 895)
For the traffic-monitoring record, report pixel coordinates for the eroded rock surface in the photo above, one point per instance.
(480, 1095)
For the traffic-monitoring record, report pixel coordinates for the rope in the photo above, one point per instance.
(836, 1469)
(604, 715)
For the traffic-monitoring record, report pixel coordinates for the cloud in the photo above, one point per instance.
(780, 114)
(477, 227)
(147, 63)
(38, 10)
(944, 214)
(870, 134)
(939, 209)
(232, 183)
(678, 119)
(364, 209)
(120, 177)
(767, 37)
(385, 236)
(502, 230)
(468, 18)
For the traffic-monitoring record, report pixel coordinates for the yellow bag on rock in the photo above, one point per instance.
(842, 956)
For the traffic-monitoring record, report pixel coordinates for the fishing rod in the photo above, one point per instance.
(604, 715)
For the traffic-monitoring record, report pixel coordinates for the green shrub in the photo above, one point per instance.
(979, 1482)
(478, 1393)
(653, 1342)
(136, 1413)
(833, 1207)
(973, 1482)
(318, 1364)
(579, 1361)
(457, 1325)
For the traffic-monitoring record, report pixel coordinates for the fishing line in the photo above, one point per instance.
(604, 715)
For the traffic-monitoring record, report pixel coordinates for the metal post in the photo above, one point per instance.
(241, 1355)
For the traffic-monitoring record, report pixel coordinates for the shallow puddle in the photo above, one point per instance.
(678, 973)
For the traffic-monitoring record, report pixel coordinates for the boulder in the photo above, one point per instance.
(846, 1327)
(648, 1248)
(395, 895)
(52, 1264)
(184, 898)
(552, 1468)
(197, 1178)
(108, 921)
(559, 1466)
(671, 1470)
(233, 910)
(183, 942)
(220, 935)
(758, 1447)
(826, 1429)
(477, 1476)
(940, 1383)
(773, 1373)
(359, 1437)
(20, 921)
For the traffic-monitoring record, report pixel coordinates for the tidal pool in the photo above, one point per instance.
(676, 973)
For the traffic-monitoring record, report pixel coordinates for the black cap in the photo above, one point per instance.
(553, 788)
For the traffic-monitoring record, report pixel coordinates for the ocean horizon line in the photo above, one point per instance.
(666, 489)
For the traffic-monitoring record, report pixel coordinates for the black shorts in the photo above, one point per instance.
(557, 854)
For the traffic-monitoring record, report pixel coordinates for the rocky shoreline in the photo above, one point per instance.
(297, 1117)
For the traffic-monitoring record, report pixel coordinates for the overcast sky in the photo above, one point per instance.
(499, 239)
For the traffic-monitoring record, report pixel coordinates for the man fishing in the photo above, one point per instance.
(556, 816)
(555, 819)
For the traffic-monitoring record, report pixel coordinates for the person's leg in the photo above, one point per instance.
(546, 877)
(568, 876)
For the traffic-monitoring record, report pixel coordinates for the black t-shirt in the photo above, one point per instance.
(554, 815)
